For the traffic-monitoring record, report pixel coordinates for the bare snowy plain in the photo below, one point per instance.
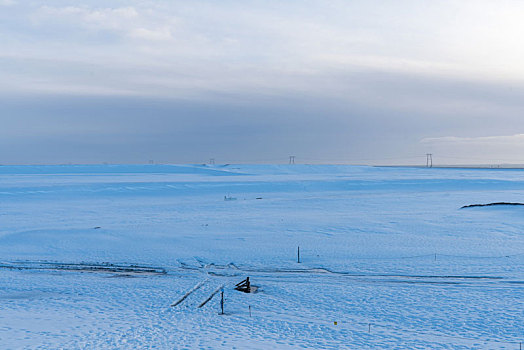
(93, 257)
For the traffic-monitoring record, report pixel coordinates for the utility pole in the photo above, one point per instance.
(429, 160)
(291, 159)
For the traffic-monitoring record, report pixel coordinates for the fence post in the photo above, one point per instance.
(222, 301)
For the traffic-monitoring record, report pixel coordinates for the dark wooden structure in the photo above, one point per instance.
(244, 286)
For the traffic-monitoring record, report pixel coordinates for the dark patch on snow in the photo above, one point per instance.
(490, 204)
(124, 270)
(224, 274)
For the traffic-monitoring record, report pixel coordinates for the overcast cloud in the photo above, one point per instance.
(378, 82)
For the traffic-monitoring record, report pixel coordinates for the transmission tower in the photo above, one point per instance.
(429, 160)
(291, 159)
(212, 161)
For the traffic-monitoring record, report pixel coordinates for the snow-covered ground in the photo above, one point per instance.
(93, 256)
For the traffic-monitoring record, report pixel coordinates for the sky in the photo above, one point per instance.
(357, 82)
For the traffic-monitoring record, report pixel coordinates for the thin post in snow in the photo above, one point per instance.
(369, 328)
(298, 254)
(435, 256)
(249, 310)
(222, 301)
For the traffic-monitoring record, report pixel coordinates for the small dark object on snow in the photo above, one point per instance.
(259, 198)
(244, 286)
(97, 227)
(490, 204)
(222, 302)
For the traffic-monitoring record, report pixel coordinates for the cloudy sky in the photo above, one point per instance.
(363, 82)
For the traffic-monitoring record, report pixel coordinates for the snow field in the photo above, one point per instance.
(368, 239)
